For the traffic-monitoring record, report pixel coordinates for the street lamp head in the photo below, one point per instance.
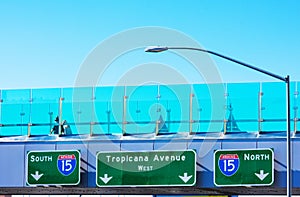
(156, 49)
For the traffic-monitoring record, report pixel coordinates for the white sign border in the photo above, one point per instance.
(39, 151)
(241, 185)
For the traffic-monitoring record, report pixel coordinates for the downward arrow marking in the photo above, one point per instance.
(261, 175)
(185, 177)
(37, 176)
(105, 179)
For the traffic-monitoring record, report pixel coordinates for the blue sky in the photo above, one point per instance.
(44, 43)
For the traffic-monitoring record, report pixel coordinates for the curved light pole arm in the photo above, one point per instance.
(286, 79)
(233, 60)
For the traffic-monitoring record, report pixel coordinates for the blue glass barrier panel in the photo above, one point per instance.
(44, 109)
(108, 105)
(142, 109)
(242, 103)
(208, 107)
(15, 112)
(274, 106)
(137, 109)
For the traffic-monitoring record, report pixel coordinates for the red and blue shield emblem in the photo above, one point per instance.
(229, 164)
(66, 164)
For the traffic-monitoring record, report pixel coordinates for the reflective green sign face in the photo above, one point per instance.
(53, 168)
(244, 167)
(153, 168)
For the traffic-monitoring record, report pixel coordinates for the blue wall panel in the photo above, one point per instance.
(205, 153)
(237, 144)
(170, 144)
(296, 162)
(13, 156)
(205, 156)
(136, 145)
(12, 165)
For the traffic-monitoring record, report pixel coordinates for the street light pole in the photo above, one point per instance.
(156, 49)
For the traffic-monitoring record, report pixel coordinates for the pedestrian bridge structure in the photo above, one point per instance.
(203, 118)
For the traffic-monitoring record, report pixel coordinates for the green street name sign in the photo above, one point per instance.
(244, 167)
(53, 167)
(153, 168)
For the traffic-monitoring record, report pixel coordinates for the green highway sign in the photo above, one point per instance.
(53, 167)
(254, 167)
(152, 168)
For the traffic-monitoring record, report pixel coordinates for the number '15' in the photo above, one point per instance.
(66, 165)
(229, 165)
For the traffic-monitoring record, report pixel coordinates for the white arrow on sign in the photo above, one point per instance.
(261, 175)
(185, 177)
(37, 176)
(105, 179)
